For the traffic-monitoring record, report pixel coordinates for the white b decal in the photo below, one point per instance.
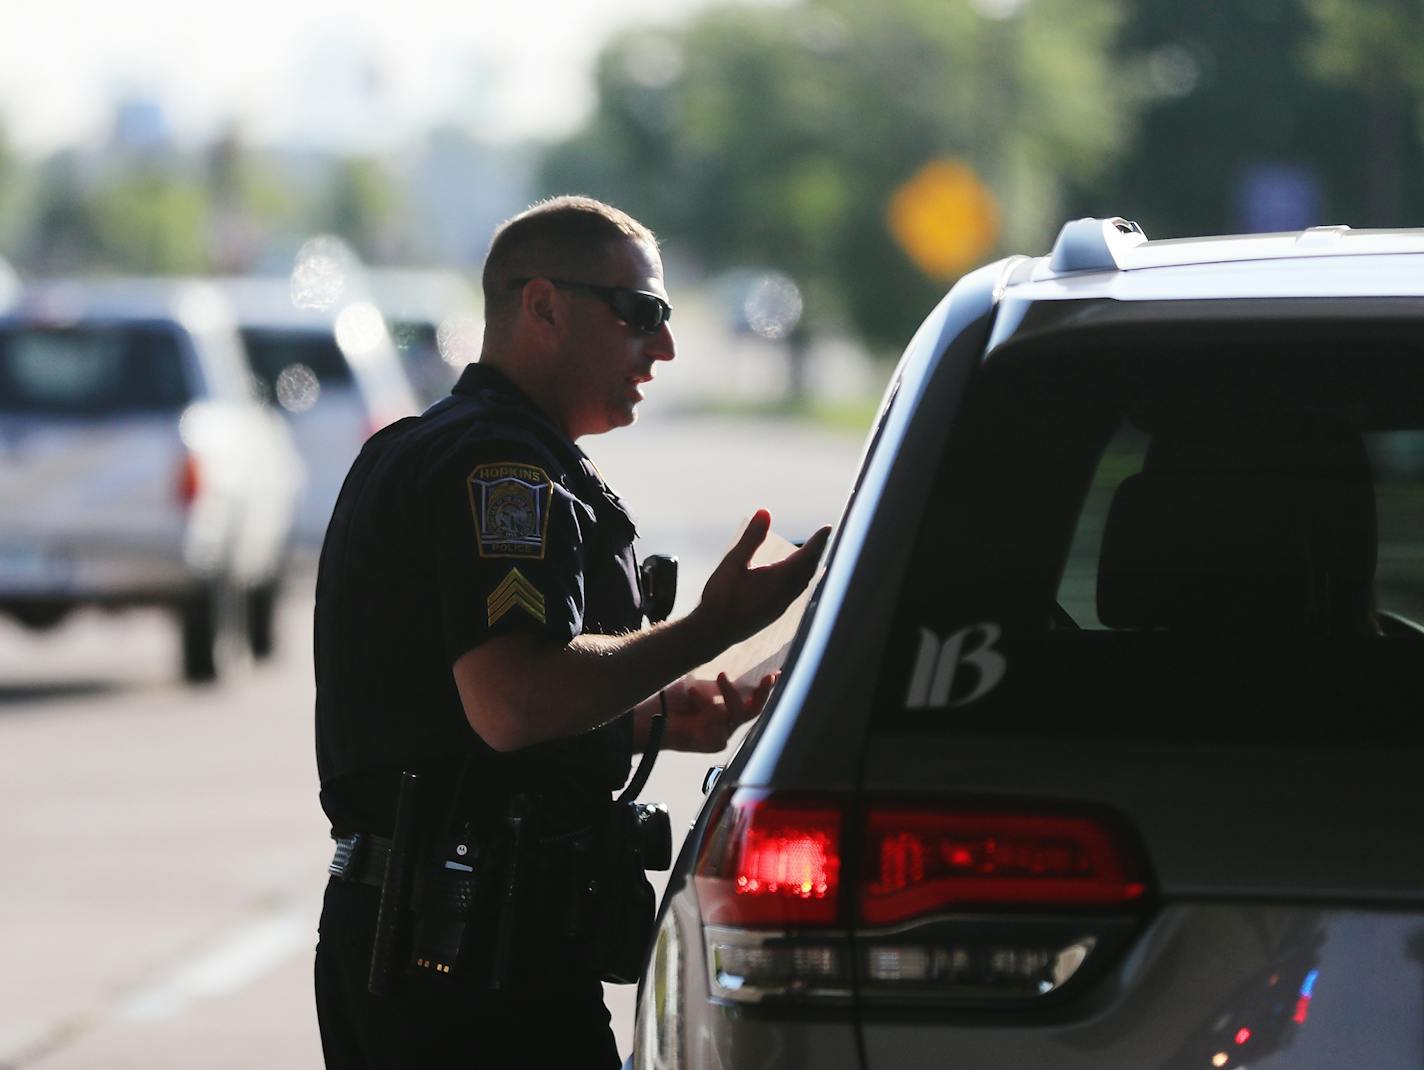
(938, 662)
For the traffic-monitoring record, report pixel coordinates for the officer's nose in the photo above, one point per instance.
(662, 345)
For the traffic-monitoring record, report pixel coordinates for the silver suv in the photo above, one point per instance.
(137, 465)
(1097, 745)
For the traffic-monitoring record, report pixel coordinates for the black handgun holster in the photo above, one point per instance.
(585, 906)
(627, 904)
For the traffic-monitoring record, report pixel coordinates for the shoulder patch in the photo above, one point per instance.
(510, 503)
(515, 590)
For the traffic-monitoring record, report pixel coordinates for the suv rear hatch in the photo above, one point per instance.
(1164, 584)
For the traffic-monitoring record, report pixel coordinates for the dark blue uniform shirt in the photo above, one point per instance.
(476, 519)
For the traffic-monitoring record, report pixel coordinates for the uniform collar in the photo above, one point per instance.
(486, 378)
(487, 381)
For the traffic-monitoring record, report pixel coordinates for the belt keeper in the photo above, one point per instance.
(349, 852)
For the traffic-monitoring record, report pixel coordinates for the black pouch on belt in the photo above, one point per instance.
(635, 837)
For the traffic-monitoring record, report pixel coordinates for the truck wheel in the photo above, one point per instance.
(261, 619)
(199, 627)
(212, 629)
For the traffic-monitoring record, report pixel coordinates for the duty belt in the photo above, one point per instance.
(361, 858)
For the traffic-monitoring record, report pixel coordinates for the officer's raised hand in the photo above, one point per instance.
(739, 600)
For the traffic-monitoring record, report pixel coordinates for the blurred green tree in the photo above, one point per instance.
(61, 233)
(150, 221)
(777, 137)
(135, 215)
(10, 180)
(361, 204)
(249, 203)
(1378, 49)
(1266, 114)
(223, 209)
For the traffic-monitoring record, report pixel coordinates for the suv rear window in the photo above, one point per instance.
(91, 370)
(1209, 534)
(1395, 461)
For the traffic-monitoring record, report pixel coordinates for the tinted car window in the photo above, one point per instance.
(1396, 464)
(1206, 540)
(415, 338)
(91, 370)
(293, 366)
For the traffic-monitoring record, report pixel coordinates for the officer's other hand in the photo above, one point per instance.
(740, 600)
(702, 715)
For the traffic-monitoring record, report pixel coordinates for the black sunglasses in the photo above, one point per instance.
(637, 308)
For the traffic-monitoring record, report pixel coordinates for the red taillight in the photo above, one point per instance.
(777, 913)
(921, 861)
(188, 481)
(771, 862)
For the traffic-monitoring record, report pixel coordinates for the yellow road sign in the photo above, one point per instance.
(944, 218)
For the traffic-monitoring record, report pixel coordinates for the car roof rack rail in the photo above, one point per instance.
(1094, 244)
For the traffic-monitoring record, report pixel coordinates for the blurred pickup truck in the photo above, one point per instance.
(138, 465)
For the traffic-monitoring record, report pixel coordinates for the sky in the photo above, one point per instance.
(354, 75)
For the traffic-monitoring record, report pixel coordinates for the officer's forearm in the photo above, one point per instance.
(517, 691)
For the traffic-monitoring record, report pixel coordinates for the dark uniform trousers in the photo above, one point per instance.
(429, 1021)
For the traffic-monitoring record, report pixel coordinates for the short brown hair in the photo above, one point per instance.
(562, 237)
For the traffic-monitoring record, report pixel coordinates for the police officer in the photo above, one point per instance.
(478, 622)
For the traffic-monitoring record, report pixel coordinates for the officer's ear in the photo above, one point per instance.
(540, 304)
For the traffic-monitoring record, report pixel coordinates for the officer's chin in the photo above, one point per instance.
(612, 422)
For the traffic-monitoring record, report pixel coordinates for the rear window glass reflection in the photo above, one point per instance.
(293, 367)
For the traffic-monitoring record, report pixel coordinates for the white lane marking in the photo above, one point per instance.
(243, 957)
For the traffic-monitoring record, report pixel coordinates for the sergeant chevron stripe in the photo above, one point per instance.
(515, 590)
